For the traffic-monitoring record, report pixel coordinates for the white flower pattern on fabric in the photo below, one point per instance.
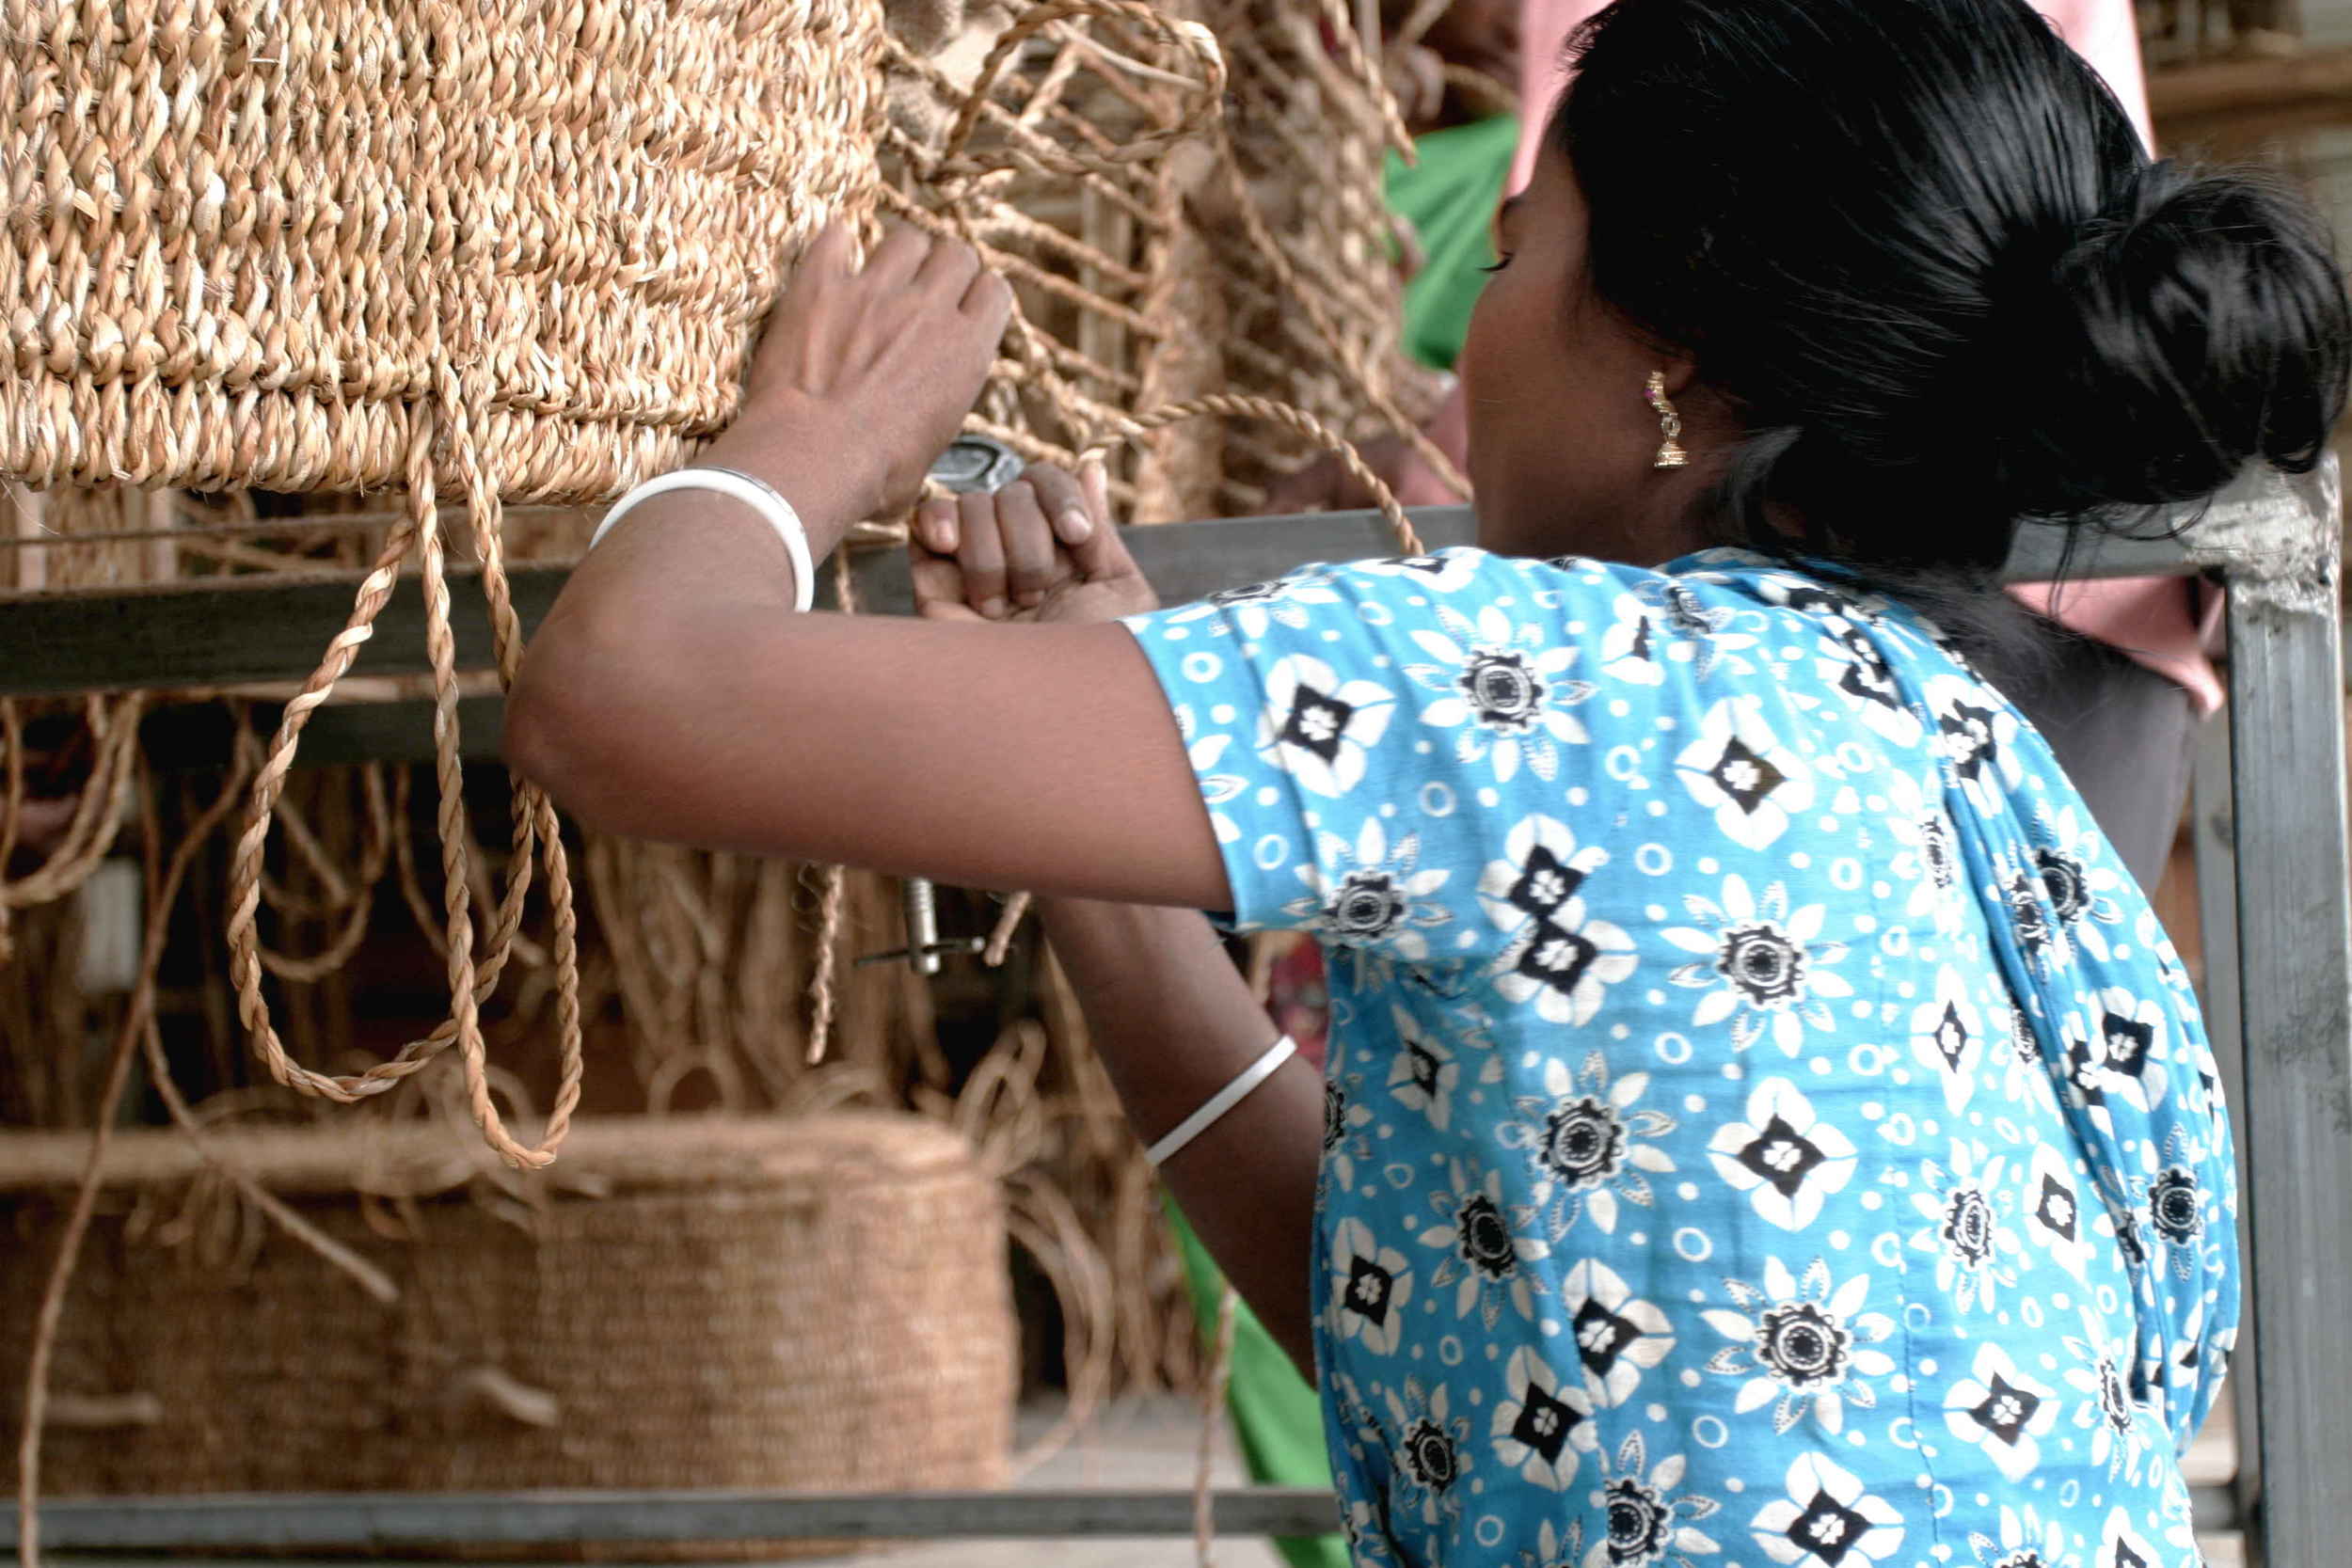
(1556, 1211)
(1433, 1449)
(1630, 649)
(1558, 960)
(1617, 1336)
(1854, 666)
(1506, 694)
(2122, 1547)
(1318, 727)
(1444, 572)
(1424, 1072)
(1737, 768)
(1977, 733)
(1217, 790)
(2073, 859)
(2051, 1204)
(1256, 609)
(1555, 1548)
(1542, 1426)
(1590, 1145)
(1696, 633)
(2102, 1374)
(1783, 1157)
(1486, 1258)
(1827, 1520)
(1930, 858)
(1805, 1349)
(1371, 893)
(2027, 1541)
(1947, 1038)
(1371, 1287)
(1968, 1208)
(1344, 1117)
(1763, 967)
(2002, 1411)
(1649, 1519)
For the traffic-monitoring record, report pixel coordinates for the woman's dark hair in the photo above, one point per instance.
(1919, 246)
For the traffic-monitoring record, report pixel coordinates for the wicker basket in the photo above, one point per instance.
(815, 1305)
(250, 245)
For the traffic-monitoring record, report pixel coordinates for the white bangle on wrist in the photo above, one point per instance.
(755, 493)
(1223, 1100)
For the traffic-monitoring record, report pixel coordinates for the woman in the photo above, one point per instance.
(1762, 1124)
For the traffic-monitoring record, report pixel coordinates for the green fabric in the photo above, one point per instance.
(1276, 1411)
(1449, 196)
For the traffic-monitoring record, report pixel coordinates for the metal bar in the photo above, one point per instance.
(395, 1520)
(392, 1520)
(2213, 836)
(2294, 888)
(265, 628)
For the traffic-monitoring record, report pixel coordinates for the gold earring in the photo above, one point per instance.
(1670, 453)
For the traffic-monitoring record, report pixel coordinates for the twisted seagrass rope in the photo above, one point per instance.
(1212, 1408)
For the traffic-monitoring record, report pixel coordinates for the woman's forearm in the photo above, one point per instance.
(1174, 1023)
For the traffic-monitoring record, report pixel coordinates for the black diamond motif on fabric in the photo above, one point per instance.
(1951, 1036)
(2006, 1410)
(1641, 640)
(1817, 601)
(1828, 1528)
(1745, 776)
(2126, 1558)
(1866, 676)
(2057, 1209)
(2128, 1040)
(1316, 722)
(1781, 1156)
(1601, 1337)
(1544, 1423)
(1545, 882)
(1368, 1289)
(1687, 614)
(1556, 956)
(1423, 1065)
(1972, 730)
(2082, 1072)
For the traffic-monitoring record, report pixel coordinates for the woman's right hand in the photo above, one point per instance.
(1042, 548)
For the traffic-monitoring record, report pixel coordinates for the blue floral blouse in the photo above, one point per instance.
(1764, 1123)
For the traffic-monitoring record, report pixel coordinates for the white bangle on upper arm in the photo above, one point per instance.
(756, 494)
(1223, 1100)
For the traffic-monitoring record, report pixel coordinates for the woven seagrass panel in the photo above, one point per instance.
(249, 242)
(818, 1303)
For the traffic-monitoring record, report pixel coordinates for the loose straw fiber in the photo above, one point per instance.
(820, 1304)
(516, 250)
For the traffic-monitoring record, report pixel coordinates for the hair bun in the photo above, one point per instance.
(2196, 323)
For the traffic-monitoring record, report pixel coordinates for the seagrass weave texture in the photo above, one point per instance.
(817, 1304)
(256, 242)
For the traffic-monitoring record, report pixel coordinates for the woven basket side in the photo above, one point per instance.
(279, 230)
(853, 1333)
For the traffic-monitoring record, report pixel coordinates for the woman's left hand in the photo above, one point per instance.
(1042, 548)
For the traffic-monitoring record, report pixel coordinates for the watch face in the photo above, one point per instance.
(976, 463)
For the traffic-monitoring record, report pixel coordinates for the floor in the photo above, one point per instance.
(1138, 1443)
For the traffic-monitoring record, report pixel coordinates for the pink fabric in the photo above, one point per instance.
(2152, 620)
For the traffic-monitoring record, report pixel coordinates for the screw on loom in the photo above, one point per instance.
(971, 465)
